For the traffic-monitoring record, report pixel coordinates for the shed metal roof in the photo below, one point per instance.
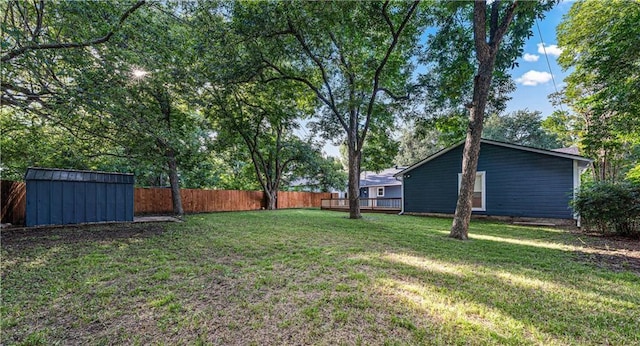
(55, 174)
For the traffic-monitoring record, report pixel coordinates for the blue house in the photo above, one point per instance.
(511, 181)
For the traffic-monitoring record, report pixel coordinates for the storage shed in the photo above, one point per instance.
(61, 197)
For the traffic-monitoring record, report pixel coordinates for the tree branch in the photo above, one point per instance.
(315, 59)
(310, 85)
(504, 25)
(393, 96)
(386, 17)
(19, 51)
(479, 30)
(378, 73)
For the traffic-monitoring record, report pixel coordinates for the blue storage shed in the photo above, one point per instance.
(61, 196)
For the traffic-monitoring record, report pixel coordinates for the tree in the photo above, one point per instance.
(492, 35)
(565, 126)
(132, 93)
(320, 173)
(414, 147)
(353, 56)
(427, 136)
(41, 39)
(144, 89)
(601, 44)
(30, 141)
(521, 127)
(262, 116)
(379, 151)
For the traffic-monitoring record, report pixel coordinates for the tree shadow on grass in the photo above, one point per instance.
(505, 306)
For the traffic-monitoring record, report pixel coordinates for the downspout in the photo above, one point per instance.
(401, 196)
(576, 187)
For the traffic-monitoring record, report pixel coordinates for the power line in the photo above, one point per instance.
(544, 49)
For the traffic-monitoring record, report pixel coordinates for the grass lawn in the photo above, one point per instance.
(315, 277)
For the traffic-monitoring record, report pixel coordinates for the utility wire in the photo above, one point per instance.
(544, 49)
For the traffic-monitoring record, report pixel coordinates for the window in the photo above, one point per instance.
(380, 192)
(479, 189)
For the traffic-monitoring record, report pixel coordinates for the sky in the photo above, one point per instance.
(533, 75)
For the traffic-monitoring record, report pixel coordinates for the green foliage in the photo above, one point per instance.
(379, 152)
(413, 148)
(521, 127)
(634, 174)
(319, 173)
(32, 77)
(601, 42)
(610, 207)
(567, 127)
(427, 136)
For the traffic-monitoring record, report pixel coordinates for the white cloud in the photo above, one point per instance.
(531, 57)
(533, 78)
(552, 49)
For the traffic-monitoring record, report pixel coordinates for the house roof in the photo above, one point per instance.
(383, 178)
(557, 153)
(568, 150)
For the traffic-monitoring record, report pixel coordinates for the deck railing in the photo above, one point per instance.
(365, 203)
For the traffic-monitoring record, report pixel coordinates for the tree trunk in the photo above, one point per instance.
(354, 183)
(486, 54)
(271, 199)
(176, 197)
(471, 152)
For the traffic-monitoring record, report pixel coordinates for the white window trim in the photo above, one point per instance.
(483, 174)
(378, 191)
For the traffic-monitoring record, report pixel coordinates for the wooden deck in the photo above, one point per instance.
(374, 205)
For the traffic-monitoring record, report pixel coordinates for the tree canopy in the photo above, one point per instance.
(521, 127)
(601, 46)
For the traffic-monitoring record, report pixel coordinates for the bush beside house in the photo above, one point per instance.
(610, 208)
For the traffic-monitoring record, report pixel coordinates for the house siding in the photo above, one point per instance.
(518, 183)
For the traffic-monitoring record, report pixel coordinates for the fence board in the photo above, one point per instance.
(13, 195)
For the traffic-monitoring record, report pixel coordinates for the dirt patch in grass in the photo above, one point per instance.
(610, 252)
(51, 236)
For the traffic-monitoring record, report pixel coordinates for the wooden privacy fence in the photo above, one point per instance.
(158, 200)
(295, 199)
(13, 195)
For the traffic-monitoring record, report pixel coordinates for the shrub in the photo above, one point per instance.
(612, 208)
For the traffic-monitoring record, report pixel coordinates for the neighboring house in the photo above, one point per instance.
(511, 180)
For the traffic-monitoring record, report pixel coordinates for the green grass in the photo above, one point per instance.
(314, 277)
